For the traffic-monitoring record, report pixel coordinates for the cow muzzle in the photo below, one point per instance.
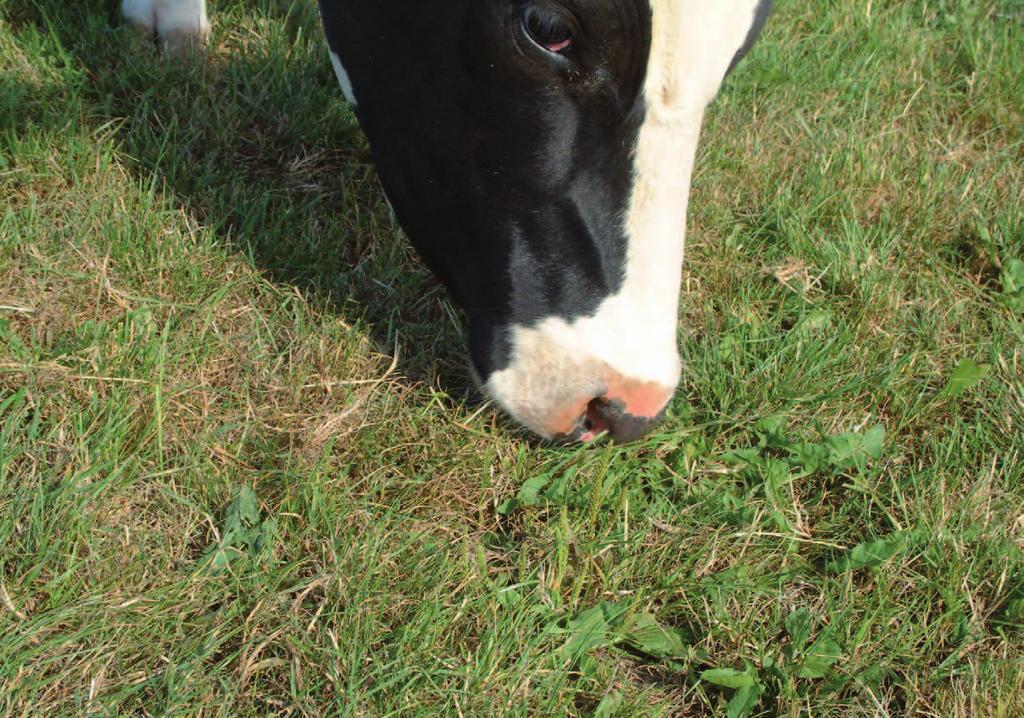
(564, 393)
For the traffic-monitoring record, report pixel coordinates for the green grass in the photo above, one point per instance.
(242, 473)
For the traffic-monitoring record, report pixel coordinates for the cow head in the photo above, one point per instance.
(538, 153)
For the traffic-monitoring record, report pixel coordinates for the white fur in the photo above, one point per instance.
(169, 17)
(558, 364)
(343, 80)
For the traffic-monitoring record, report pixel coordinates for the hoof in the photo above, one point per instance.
(181, 26)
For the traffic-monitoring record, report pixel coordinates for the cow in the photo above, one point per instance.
(538, 154)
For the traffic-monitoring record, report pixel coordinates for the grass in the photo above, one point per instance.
(242, 473)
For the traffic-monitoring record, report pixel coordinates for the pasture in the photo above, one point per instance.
(243, 471)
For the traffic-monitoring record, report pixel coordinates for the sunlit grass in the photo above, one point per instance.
(203, 294)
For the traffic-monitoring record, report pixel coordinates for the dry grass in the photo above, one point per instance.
(202, 292)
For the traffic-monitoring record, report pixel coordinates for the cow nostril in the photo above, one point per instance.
(594, 422)
(608, 417)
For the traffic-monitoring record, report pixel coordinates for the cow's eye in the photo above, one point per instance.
(548, 29)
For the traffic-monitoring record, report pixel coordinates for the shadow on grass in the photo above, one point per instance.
(257, 144)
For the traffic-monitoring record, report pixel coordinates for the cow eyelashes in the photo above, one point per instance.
(548, 29)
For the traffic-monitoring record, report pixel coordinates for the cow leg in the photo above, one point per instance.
(181, 25)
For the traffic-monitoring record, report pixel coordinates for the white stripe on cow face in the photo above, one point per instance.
(343, 80)
(557, 366)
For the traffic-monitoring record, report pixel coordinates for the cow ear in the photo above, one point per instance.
(548, 28)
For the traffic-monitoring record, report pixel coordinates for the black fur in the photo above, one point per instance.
(761, 13)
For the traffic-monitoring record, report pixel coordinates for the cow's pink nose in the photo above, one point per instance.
(627, 411)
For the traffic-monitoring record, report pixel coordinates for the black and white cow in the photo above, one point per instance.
(538, 153)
